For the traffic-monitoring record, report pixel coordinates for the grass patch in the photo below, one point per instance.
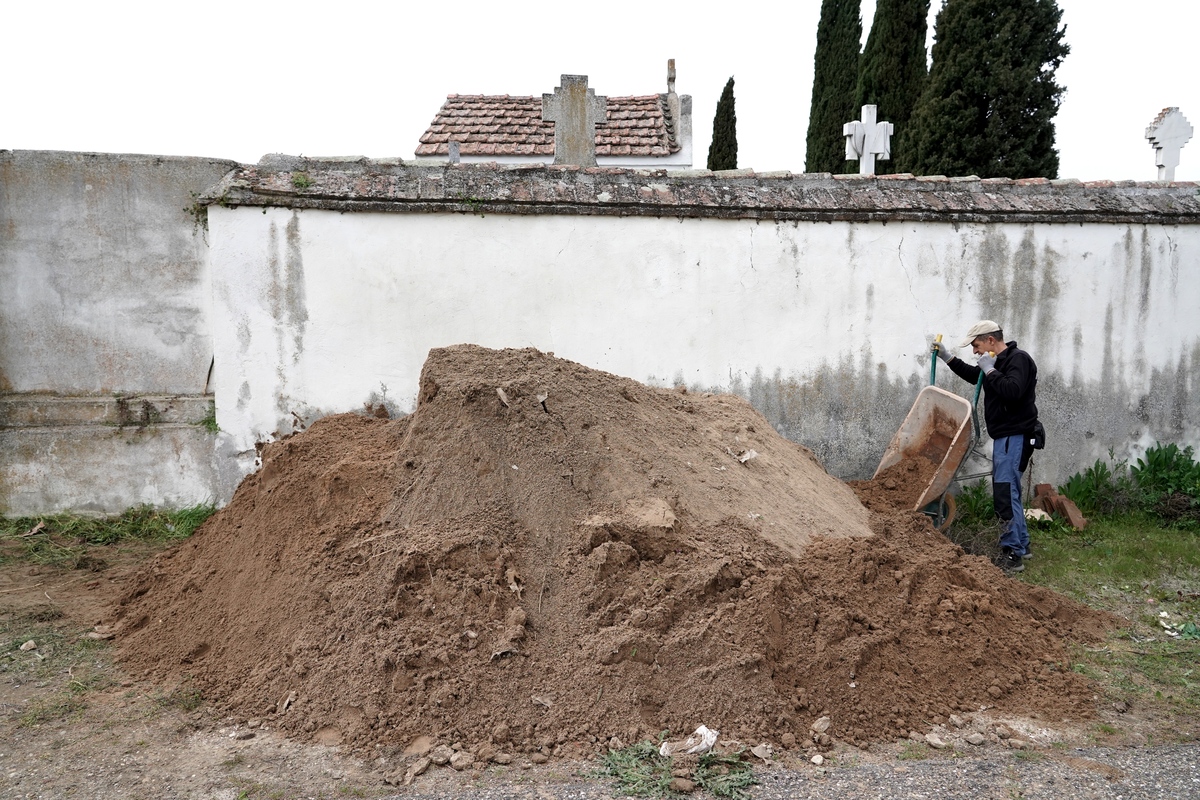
(58, 653)
(64, 704)
(185, 698)
(50, 709)
(1132, 553)
(914, 751)
(66, 540)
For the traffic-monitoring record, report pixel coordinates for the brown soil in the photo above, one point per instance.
(898, 487)
(545, 554)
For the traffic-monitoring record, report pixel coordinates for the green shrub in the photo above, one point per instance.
(1164, 483)
(1167, 470)
(975, 503)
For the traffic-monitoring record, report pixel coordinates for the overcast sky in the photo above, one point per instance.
(239, 79)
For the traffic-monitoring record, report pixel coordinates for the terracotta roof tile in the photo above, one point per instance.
(504, 125)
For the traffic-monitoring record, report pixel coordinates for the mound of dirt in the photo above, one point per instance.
(543, 553)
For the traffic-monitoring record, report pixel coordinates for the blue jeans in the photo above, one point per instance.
(1006, 492)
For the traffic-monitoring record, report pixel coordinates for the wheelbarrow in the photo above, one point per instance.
(938, 430)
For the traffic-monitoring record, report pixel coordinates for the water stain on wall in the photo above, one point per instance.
(287, 301)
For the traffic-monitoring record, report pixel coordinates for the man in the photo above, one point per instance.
(1010, 412)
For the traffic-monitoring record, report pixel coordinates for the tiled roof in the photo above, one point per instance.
(499, 125)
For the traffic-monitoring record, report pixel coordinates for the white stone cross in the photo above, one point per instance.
(574, 109)
(868, 140)
(1169, 132)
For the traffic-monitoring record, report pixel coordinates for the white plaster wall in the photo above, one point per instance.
(319, 311)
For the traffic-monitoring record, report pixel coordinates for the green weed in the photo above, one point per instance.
(209, 420)
(301, 180)
(914, 751)
(975, 504)
(638, 770)
(724, 775)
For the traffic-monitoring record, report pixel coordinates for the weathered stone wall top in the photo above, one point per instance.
(394, 185)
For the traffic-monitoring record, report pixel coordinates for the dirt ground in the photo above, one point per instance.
(75, 724)
(541, 562)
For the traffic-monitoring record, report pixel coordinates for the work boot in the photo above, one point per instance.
(1028, 552)
(1010, 560)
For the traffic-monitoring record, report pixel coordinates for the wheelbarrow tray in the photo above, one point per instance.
(937, 429)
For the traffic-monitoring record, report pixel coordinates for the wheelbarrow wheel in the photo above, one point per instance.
(941, 512)
(948, 509)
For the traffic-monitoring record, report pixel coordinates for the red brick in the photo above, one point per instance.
(1045, 503)
(1044, 489)
(1071, 512)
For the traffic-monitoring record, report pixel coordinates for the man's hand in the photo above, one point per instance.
(987, 362)
(943, 351)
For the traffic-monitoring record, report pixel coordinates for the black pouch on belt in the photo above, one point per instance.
(1034, 440)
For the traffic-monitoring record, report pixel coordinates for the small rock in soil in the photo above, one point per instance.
(440, 755)
(418, 767)
(976, 739)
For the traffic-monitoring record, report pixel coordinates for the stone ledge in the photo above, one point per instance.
(393, 186)
(30, 410)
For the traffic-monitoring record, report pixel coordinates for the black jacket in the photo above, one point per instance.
(1009, 391)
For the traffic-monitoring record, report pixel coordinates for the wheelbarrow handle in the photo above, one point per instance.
(975, 404)
(933, 359)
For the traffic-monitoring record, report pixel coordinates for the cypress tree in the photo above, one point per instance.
(722, 152)
(892, 72)
(835, 82)
(989, 104)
